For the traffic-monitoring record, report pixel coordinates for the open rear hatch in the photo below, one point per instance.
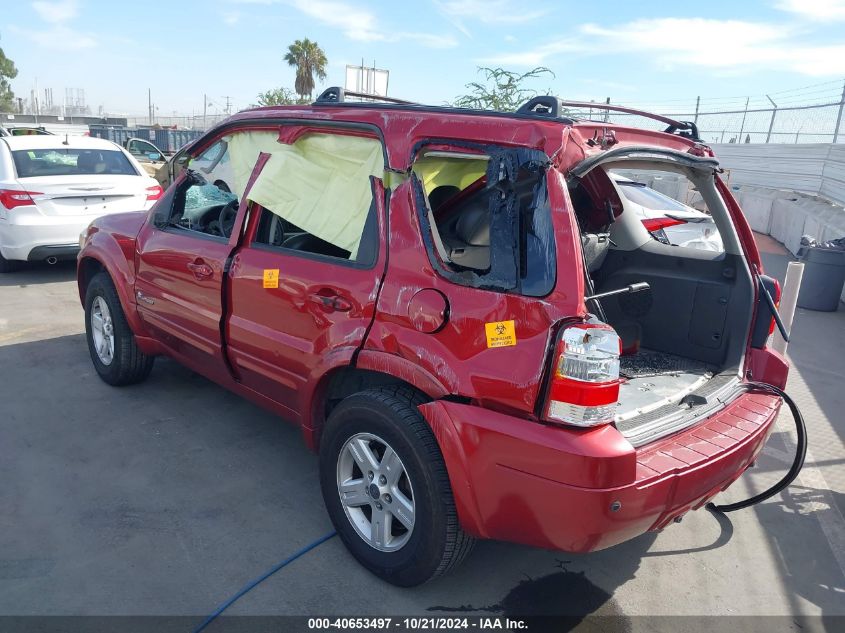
(684, 339)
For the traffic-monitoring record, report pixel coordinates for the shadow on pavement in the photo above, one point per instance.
(32, 273)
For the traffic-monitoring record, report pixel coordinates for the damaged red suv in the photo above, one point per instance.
(462, 312)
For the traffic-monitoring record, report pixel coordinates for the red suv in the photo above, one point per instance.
(461, 312)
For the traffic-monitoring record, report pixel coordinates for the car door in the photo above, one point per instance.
(300, 305)
(181, 262)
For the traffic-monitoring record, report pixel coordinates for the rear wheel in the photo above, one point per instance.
(386, 488)
(115, 354)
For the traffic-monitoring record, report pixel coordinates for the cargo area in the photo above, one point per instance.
(684, 338)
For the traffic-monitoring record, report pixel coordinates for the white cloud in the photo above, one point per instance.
(57, 35)
(56, 12)
(59, 38)
(723, 45)
(231, 17)
(819, 10)
(489, 11)
(362, 26)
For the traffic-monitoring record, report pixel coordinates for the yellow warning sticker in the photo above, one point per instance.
(271, 277)
(500, 334)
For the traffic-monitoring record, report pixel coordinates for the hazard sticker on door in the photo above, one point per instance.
(271, 277)
(500, 334)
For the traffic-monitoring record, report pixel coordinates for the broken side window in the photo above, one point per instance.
(486, 216)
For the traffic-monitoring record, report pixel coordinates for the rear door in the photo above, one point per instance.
(299, 304)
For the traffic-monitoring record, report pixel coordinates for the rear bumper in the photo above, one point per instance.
(23, 241)
(64, 252)
(584, 490)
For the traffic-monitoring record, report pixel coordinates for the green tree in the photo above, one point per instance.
(7, 72)
(309, 60)
(502, 90)
(278, 96)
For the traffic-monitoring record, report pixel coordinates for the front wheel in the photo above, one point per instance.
(386, 488)
(115, 354)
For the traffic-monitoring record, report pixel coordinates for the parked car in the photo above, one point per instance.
(407, 285)
(150, 157)
(667, 219)
(51, 187)
(24, 131)
(213, 163)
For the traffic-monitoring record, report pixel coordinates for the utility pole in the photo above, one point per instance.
(607, 112)
(839, 115)
(742, 125)
(228, 104)
(774, 112)
(697, 102)
(204, 111)
(150, 105)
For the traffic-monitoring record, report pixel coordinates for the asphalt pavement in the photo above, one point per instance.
(166, 497)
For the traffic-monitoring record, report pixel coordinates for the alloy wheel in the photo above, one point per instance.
(376, 492)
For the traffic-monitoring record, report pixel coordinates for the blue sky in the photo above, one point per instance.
(647, 52)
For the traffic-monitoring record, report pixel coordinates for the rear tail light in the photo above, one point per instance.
(154, 193)
(11, 198)
(776, 297)
(584, 387)
(658, 224)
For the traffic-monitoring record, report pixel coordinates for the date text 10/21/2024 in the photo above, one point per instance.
(417, 623)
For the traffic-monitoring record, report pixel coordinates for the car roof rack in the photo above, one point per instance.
(336, 94)
(553, 108)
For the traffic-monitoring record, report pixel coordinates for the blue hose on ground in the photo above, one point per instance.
(254, 583)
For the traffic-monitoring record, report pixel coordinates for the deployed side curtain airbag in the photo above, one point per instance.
(457, 172)
(320, 183)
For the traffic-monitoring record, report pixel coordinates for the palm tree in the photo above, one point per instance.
(309, 60)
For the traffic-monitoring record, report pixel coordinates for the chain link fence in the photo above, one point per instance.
(799, 116)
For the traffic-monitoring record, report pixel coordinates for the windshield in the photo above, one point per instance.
(64, 161)
(649, 198)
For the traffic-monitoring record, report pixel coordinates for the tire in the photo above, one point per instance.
(7, 265)
(381, 419)
(127, 364)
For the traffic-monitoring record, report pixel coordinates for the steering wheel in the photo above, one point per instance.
(226, 219)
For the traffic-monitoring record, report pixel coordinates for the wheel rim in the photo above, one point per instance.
(376, 492)
(102, 330)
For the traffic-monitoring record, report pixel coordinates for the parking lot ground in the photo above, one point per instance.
(166, 497)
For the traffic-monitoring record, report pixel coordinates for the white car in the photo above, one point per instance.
(52, 187)
(668, 220)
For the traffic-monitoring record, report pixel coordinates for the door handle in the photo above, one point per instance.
(332, 302)
(200, 269)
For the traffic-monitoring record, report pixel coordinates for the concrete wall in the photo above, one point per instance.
(814, 168)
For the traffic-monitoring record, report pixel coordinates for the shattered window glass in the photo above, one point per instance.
(207, 194)
(487, 219)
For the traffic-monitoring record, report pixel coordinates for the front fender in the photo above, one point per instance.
(114, 252)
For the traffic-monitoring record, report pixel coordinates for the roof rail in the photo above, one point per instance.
(552, 107)
(336, 94)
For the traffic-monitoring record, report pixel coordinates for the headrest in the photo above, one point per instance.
(473, 226)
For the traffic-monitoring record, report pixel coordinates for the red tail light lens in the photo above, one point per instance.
(11, 198)
(584, 386)
(154, 193)
(777, 305)
(656, 224)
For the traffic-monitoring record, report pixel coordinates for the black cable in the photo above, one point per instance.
(797, 464)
